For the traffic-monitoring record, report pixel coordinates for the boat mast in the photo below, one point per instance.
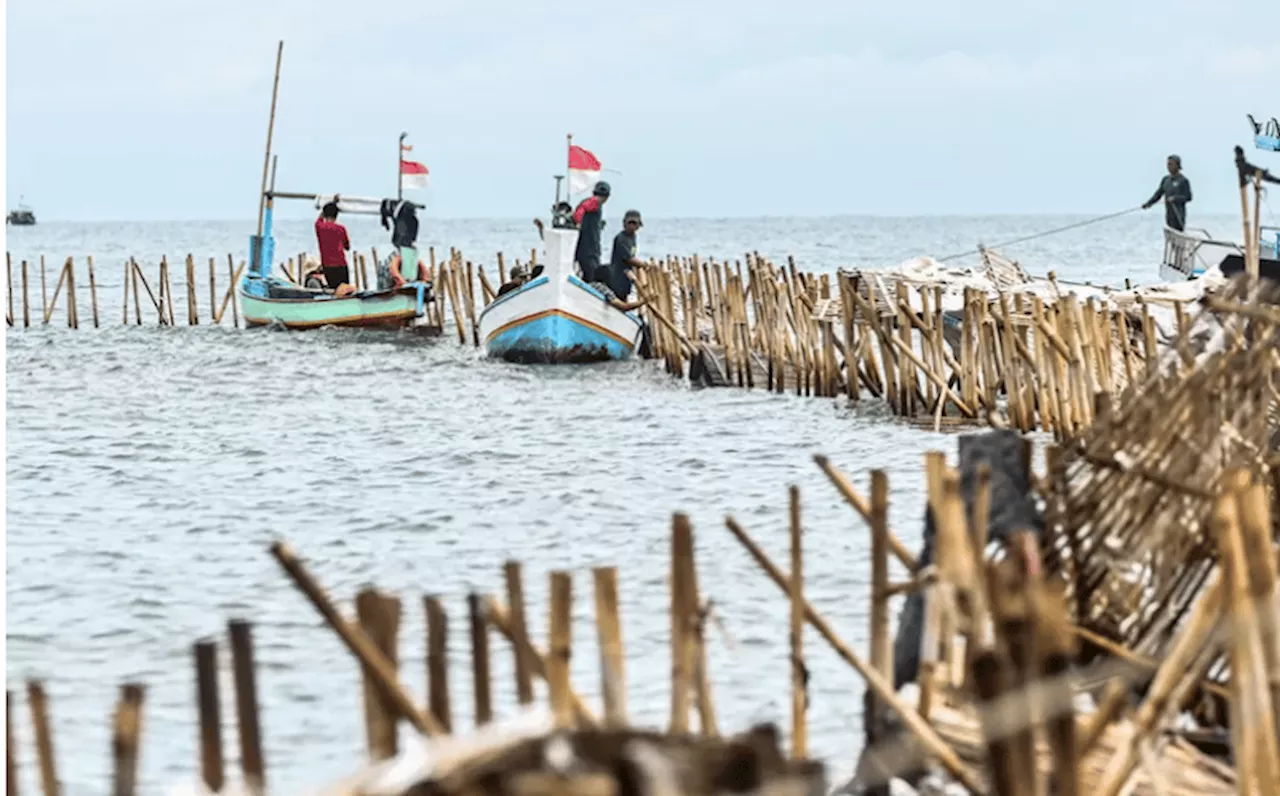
(400, 168)
(271, 123)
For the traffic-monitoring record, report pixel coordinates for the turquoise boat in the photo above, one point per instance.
(268, 299)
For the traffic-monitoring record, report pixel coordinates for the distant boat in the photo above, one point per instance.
(22, 217)
(556, 317)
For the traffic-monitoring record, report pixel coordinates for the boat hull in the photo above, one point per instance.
(558, 321)
(390, 308)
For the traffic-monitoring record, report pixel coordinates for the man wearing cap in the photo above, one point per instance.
(1176, 190)
(624, 255)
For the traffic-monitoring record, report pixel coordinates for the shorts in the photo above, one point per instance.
(336, 275)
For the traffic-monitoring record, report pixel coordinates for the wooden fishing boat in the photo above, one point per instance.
(556, 317)
(269, 298)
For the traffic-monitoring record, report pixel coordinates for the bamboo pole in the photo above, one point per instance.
(561, 628)
(26, 304)
(864, 509)
(613, 682)
(252, 766)
(438, 662)
(93, 292)
(193, 312)
(128, 728)
(500, 619)
(43, 732)
(379, 617)
(681, 651)
(231, 289)
(135, 274)
(213, 291)
(73, 311)
(515, 599)
(882, 687)
(881, 642)
(10, 743)
(49, 307)
(1255, 524)
(480, 660)
(212, 771)
(8, 262)
(799, 688)
(44, 296)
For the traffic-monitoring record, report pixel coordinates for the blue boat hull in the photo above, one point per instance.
(557, 337)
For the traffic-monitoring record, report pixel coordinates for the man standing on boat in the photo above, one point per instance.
(1176, 190)
(334, 243)
(588, 217)
(624, 255)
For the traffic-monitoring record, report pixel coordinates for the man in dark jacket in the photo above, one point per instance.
(624, 255)
(1176, 190)
(588, 217)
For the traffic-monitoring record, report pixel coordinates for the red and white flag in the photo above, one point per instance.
(584, 170)
(412, 174)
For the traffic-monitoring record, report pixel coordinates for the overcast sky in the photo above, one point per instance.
(142, 109)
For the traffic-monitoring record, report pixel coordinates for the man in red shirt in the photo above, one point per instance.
(334, 242)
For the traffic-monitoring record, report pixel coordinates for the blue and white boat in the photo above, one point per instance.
(556, 317)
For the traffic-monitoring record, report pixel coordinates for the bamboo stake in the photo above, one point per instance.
(515, 599)
(26, 305)
(379, 617)
(438, 662)
(882, 687)
(73, 314)
(864, 509)
(193, 312)
(39, 705)
(44, 297)
(881, 642)
(231, 289)
(561, 628)
(212, 771)
(356, 640)
(612, 661)
(49, 307)
(498, 616)
(480, 660)
(135, 274)
(8, 262)
(1255, 524)
(128, 728)
(252, 766)
(681, 653)
(799, 725)
(10, 743)
(93, 292)
(214, 316)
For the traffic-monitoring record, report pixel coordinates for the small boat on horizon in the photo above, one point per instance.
(22, 217)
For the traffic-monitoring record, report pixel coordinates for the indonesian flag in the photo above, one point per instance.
(584, 170)
(412, 174)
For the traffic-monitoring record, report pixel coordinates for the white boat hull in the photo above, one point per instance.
(558, 320)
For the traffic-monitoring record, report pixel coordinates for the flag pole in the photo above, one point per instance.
(568, 165)
(271, 124)
(400, 167)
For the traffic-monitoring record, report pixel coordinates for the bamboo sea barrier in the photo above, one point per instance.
(1030, 356)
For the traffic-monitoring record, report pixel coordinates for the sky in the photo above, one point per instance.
(150, 110)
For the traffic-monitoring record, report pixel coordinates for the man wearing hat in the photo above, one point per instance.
(624, 255)
(1176, 190)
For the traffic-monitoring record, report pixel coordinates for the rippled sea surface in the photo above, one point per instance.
(148, 469)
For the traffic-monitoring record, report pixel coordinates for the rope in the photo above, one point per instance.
(1040, 234)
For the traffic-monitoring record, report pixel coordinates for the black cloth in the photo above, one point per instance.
(1176, 190)
(336, 275)
(405, 232)
(588, 252)
(507, 287)
(624, 250)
